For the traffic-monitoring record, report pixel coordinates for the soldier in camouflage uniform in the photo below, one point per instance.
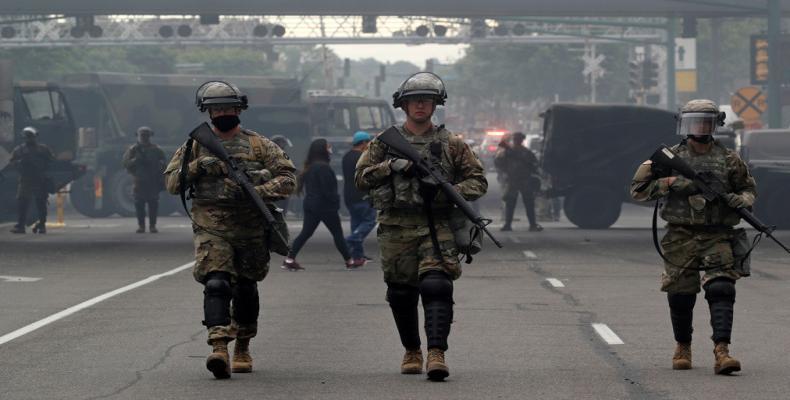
(520, 167)
(31, 161)
(145, 161)
(699, 234)
(413, 265)
(231, 252)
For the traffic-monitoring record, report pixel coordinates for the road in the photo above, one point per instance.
(525, 322)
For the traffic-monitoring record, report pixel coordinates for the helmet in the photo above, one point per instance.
(281, 141)
(699, 118)
(144, 130)
(420, 84)
(219, 94)
(29, 131)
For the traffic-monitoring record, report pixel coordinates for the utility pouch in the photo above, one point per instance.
(741, 251)
(468, 239)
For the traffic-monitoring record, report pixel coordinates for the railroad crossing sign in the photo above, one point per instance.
(592, 65)
(749, 103)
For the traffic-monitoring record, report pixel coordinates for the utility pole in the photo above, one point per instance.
(671, 50)
(774, 64)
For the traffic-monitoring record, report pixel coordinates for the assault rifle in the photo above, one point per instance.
(204, 135)
(393, 138)
(710, 188)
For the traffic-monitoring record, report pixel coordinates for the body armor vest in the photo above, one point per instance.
(242, 149)
(695, 210)
(403, 193)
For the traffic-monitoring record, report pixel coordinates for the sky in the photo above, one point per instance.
(400, 52)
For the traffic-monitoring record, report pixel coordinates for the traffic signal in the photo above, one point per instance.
(369, 24)
(478, 28)
(346, 68)
(634, 76)
(383, 72)
(689, 27)
(649, 74)
(759, 60)
(429, 65)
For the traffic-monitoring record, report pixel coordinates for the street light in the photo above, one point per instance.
(165, 31)
(260, 31)
(8, 32)
(278, 30)
(184, 30)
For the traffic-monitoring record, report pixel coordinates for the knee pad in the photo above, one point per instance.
(436, 286)
(720, 290)
(216, 299)
(246, 303)
(402, 296)
(217, 285)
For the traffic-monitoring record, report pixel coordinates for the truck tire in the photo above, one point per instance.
(593, 207)
(82, 198)
(119, 191)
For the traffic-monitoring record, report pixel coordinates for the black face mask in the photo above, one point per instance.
(704, 139)
(226, 122)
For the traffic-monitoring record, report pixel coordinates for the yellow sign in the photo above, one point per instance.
(686, 81)
(749, 103)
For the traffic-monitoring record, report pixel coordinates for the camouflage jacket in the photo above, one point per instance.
(217, 202)
(518, 163)
(31, 163)
(146, 164)
(683, 206)
(373, 175)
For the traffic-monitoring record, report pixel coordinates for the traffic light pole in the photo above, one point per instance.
(671, 49)
(774, 65)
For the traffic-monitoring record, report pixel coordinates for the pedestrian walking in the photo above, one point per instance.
(321, 203)
(363, 215)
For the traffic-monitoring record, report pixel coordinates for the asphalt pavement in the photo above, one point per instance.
(95, 311)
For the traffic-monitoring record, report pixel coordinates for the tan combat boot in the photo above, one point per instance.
(436, 367)
(218, 361)
(242, 361)
(682, 357)
(725, 364)
(412, 362)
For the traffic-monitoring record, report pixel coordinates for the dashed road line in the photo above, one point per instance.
(555, 282)
(607, 334)
(9, 278)
(88, 303)
(530, 255)
(515, 239)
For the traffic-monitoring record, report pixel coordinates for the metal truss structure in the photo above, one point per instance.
(265, 31)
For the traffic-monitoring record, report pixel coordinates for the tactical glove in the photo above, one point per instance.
(683, 185)
(212, 166)
(401, 166)
(736, 200)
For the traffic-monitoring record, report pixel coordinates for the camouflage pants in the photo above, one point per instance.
(407, 253)
(687, 250)
(248, 258)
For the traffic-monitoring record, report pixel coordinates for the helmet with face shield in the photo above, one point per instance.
(698, 119)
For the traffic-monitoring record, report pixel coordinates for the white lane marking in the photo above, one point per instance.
(515, 239)
(555, 282)
(607, 334)
(88, 303)
(8, 278)
(530, 255)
